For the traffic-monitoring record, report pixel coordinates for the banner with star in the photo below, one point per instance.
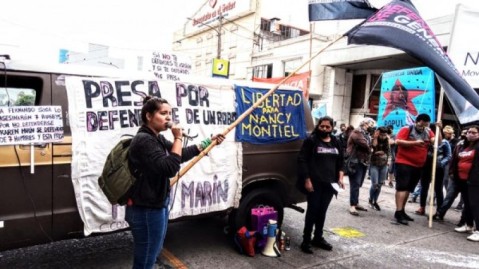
(405, 94)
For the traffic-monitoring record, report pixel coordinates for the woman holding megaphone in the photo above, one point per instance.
(157, 160)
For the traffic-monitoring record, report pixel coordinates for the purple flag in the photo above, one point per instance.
(322, 10)
(399, 25)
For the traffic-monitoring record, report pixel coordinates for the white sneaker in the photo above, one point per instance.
(474, 236)
(464, 229)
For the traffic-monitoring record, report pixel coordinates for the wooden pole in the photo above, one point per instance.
(311, 30)
(434, 158)
(245, 114)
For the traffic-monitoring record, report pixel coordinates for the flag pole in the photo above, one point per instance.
(434, 156)
(311, 29)
(246, 113)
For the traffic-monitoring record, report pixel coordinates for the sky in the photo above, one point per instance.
(40, 27)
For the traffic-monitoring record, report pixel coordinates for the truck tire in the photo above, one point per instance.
(242, 216)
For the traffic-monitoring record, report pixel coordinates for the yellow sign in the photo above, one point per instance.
(221, 68)
(347, 232)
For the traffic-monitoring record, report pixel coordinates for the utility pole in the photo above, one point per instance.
(218, 33)
(220, 25)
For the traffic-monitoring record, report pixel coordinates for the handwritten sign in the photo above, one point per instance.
(30, 124)
(279, 119)
(169, 66)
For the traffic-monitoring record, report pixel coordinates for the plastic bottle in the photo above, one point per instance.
(287, 243)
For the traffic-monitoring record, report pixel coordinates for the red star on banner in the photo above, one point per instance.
(401, 98)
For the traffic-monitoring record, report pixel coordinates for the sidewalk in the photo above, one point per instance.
(371, 240)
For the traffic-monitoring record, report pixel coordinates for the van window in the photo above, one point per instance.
(17, 97)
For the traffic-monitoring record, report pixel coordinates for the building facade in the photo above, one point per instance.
(345, 80)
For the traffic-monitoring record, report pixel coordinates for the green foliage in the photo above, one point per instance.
(25, 100)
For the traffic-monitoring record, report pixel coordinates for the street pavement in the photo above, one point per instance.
(374, 240)
(370, 240)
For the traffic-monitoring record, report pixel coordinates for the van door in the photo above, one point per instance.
(25, 190)
(66, 221)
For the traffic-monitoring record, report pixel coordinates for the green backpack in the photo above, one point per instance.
(117, 177)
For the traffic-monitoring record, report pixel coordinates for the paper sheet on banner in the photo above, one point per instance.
(213, 184)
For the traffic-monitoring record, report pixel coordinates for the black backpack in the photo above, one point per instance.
(118, 176)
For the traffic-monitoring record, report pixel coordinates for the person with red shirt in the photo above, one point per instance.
(412, 146)
(465, 171)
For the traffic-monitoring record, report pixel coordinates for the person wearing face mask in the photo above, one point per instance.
(465, 172)
(379, 165)
(157, 160)
(359, 153)
(412, 148)
(320, 164)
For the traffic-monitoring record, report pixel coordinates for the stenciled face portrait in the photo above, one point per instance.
(399, 96)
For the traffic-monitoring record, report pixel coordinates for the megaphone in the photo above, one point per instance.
(271, 247)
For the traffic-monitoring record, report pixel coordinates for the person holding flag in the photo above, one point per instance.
(412, 146)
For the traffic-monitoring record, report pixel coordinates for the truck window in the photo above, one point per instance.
(17, 96)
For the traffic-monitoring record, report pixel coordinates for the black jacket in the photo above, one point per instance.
(151, 155)
(322, 169)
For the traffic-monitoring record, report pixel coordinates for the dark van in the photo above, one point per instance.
(37, 200)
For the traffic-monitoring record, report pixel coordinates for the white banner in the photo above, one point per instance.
(464, 44)
(464, 53)
(30, 124)
(102, 110)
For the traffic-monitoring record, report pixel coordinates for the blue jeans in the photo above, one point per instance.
(417, 190)
(355, 182)
(378, 174)
(148, 227)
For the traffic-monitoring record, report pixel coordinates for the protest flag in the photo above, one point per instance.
(322, 10)
(399, 25)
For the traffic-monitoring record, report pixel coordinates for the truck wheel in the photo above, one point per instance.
(242, 216)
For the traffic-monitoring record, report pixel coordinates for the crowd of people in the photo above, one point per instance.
(323, 161)
(406, 158)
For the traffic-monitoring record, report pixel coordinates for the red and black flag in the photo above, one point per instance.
(398, 25)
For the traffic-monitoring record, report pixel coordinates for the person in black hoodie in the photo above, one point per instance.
(321, 165)
(157, 160)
